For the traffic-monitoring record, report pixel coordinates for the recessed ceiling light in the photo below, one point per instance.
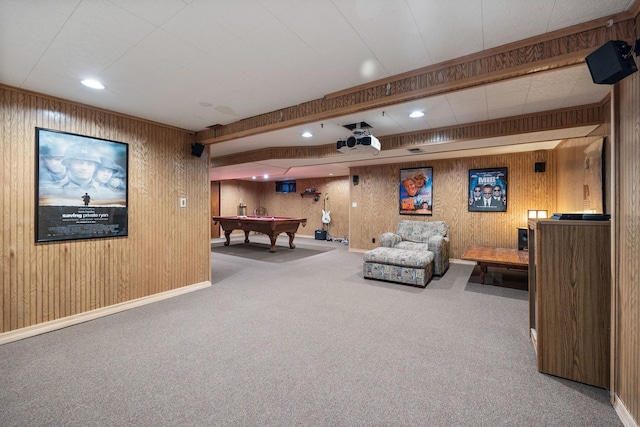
(253, 177)
(416, 114)
(93, 84)
(307, 134)
(265, 176)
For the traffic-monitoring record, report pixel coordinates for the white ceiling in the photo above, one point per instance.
(196, 63)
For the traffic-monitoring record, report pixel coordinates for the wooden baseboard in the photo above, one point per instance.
(623, 413)
(461, 261)
(53, 325)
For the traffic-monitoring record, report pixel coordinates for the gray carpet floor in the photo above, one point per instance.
(307, 342)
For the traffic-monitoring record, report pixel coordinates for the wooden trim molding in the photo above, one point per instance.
(42, 328)
(623, 413)
(548, 120)
(560, 49)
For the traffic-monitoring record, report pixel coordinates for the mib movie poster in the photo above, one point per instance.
(488, 190)
(81, 187)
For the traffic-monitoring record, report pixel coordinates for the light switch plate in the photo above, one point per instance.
(183, 202)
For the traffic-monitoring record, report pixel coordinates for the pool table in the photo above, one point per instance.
(269, 225)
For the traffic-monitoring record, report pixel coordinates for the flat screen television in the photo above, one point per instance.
(285, 187)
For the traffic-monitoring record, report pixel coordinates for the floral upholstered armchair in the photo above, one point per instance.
(420, 236)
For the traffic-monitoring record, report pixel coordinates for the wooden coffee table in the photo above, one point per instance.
(496, 257)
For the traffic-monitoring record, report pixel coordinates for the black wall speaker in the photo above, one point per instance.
(539, 167)
(523, 239)
(197, 149)
(611, 62)
(356, 179)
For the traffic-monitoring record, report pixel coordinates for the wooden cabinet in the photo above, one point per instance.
(569, 298)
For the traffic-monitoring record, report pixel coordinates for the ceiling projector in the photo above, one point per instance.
(359, 141)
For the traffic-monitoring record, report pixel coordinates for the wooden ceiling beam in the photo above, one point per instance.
(537, 122)
(558, 49)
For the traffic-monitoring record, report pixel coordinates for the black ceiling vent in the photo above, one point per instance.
(415, 150)
(360, 125)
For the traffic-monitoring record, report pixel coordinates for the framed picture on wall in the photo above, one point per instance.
(416, 191)
(81, 187)
(487, 190)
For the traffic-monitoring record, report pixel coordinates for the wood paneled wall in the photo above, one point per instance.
(377, 200)
(167, 246)
(627, 244)
(215, 207)
(234, 192)
(573, 173)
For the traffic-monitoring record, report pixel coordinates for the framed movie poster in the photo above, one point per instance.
(81, 187)
(487, 190)
(416, 191)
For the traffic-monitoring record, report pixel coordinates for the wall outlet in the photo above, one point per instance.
(183, 202)
(373, 240)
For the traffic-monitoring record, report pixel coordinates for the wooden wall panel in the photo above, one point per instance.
(233, 192)
(627, 312)
(167, 246)
(571, 176)
(215, 207)
(377, 200)
(376, 209)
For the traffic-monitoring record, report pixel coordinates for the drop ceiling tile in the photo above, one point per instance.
(466, 95)
(592, 97)
(364, 13)
(566, 13)
(156, 12)
(108, 20)
(197, 30)
(507, 98)
(542, 104)
(435, 21)
(439, 112)
(519, 86)
(406, 51)
(505, 109)
(21, 50)
(56, 82)
(281, 7)
(395, 41)
(235, 16)
(471, 114)
(501, 25)
(325, 80)
(556, 84)
(80, 51)
(313, 21)
(171, 49)
(274, 40)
